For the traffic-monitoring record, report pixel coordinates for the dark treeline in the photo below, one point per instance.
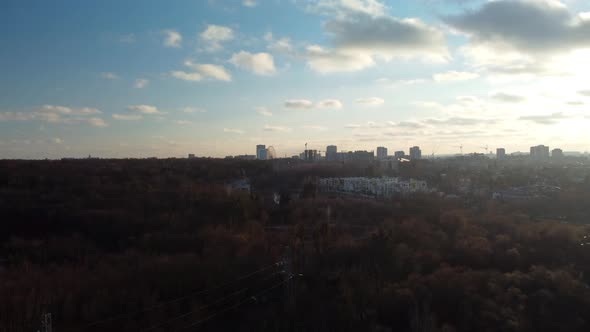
(93, 239)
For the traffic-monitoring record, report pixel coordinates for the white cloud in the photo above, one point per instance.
(202, 71)
(233, 131)
(182, 75)
(215, 35)
(327, 61)
(507, 97)
(57, 140)
(277, 129)
(127, 117)
(69, 110)
(144, 109)
(281, 45)
(109, 76)
(299, 104)
(183, 122)
(172, 38)
(97, 122)
(194, 110)
(362, 32)
(263, 111)
(214, 71)
(329, 103)
(141, 83)
(249, 3)
(258, 63)
(371, 101)
(344, 8)
(454, 76)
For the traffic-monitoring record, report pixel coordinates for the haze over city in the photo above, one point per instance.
(215, 78)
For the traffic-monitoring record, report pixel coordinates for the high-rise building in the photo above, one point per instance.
(331, 153)
(191, 156)
(540, 152)
(261, 152)
(381, 153)
(500, 153)
(399, 154)
(415, 152)
(311, 155)
(557, 154)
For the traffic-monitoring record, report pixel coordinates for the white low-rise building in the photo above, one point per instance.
(380, 187)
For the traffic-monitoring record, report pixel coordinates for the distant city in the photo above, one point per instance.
(332, 154)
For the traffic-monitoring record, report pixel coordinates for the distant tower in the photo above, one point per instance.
(557, 154)
(500, 153)
(539, 152)
(331, 153)
(415, 153)
(381, 153)
(399, 154)
(261, 152)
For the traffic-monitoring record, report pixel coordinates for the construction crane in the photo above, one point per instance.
(460, 147)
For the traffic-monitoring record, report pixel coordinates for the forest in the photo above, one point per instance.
(167, 245)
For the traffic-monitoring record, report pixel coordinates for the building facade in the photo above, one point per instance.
(331, 153)
(415, 153)
(381, 153)
(539, 152)
(261, 152)
(500, 153)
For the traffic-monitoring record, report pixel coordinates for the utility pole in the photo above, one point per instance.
(46, 323)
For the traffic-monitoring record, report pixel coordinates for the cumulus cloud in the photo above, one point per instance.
(202, 71)
(185, 76)
(233, 131)
(281, 45)
(507, 97)
(298, 104)
(263, 111)
(144, 109)
(522, 37)
(172, 38)
(249, 3)
(454, 76)
(276, 128)
(526, 25)
(141, 83)
(127, 117)
(97, 122)
(325, 60)
(109, 76)
(214, 71)
(258, 63)
(215, 35)
(329, 103)
(361, 32)
(371, 101)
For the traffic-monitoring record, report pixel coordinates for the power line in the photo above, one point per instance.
(204, 320)
(166, 303)
(221, 300)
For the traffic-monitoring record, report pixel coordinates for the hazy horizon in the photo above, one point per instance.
(215, 78)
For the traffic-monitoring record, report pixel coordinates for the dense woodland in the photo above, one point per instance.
(164, 245)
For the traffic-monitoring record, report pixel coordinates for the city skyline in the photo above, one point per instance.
(215, 78)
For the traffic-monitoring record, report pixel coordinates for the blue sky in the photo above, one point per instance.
(215, 78)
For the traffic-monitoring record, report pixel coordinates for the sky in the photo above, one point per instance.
(143, 78)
